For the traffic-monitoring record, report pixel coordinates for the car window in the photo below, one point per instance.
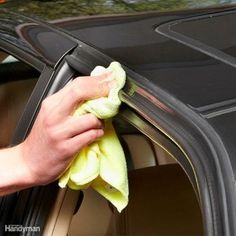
(161, 200)
(17, 81)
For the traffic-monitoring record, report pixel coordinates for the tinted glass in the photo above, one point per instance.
(161, 200)
(217, 31)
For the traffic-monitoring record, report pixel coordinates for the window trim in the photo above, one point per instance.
(24, 56)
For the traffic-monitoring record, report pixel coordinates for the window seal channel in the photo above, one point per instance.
(161, 140)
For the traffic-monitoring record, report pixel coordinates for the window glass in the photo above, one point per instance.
(17, 81)
(161, 199)
(225, 41)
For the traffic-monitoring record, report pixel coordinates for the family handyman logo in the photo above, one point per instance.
(21, 228)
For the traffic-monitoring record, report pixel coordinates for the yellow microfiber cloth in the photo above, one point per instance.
(102, 164)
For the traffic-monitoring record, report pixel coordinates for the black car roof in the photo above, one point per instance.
(191, 75)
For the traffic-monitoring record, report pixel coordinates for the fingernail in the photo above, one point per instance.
(100, 133)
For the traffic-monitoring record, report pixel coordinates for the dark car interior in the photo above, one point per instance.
(16, 85)
(162, 200)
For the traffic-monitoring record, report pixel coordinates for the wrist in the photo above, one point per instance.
(25, 175)
(14, 173)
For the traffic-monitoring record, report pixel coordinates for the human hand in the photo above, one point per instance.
(57, 135)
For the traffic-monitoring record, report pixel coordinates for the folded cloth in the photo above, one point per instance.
(101, 165)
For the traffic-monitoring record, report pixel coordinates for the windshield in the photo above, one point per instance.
(58, 9)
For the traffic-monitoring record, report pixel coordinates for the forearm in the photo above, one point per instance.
(14, 175)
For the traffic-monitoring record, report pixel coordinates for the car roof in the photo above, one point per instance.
(191, 75)
(133, 40)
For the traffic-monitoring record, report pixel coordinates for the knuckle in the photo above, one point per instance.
(52, 136)
(93, 120)
(47, 124)
(75, 90)
(64, 150)
(93, 134)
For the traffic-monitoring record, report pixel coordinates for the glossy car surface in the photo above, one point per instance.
(180, 93)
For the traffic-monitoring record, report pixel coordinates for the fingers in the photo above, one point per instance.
(81, 89)
(57, 135)
(76, 125)
(78, 142)
(94, 87)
